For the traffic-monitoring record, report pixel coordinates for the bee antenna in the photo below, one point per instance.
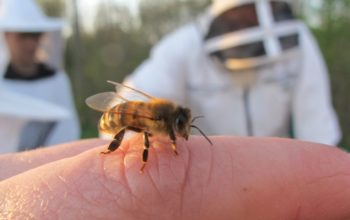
(195, 118)
(202, 133)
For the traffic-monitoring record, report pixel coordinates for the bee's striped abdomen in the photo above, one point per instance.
(135, 115)
(121, 114)
(129, 114)
(108, 123)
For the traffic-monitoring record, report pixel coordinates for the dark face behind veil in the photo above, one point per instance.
(238, 21)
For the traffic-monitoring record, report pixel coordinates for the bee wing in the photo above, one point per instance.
(104, 101)
(130, 93)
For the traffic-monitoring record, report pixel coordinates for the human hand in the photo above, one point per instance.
(236, 178)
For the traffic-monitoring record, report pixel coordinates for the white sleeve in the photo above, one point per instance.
(314, 118)
(163, 73)
(67, 129)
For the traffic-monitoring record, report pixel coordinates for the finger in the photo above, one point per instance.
(12, 164)
(236, 178)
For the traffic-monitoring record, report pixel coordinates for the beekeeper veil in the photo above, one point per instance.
(26, 16)
(244, 34)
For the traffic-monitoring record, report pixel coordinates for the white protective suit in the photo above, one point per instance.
(54, 90)
(268, 100)
(16, 110)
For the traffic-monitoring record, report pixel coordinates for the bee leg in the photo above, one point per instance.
(145, 150)
(118, 138)
(173, 141)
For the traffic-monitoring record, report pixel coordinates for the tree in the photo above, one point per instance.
(54, 8)
(158, 17)
(333, 35)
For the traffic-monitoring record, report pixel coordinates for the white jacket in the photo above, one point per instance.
(56, 90)
(264, 102)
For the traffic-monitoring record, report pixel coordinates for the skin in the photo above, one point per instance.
(236, 178)
(22, 48)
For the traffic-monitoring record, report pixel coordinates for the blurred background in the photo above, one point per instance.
(108, 39)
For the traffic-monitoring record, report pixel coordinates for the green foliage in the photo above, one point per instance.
(333, 36)
(160, 17)
(53, 8)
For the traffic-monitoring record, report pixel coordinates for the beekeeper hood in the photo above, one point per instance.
(244, 34)
(26, 16)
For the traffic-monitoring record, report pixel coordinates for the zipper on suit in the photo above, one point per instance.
(248, 116)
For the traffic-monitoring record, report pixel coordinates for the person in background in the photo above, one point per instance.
(250, 68)
(23, 26)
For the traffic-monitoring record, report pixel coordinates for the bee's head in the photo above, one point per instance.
(182, 123)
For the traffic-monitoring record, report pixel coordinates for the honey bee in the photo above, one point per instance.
(141, 113)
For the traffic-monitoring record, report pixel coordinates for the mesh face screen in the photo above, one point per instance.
(281, 11)
(243, 51)
(289, 41)
(252, 17)
(234, 19)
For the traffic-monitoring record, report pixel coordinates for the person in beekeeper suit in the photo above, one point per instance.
(250, 68)
(30, 65)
